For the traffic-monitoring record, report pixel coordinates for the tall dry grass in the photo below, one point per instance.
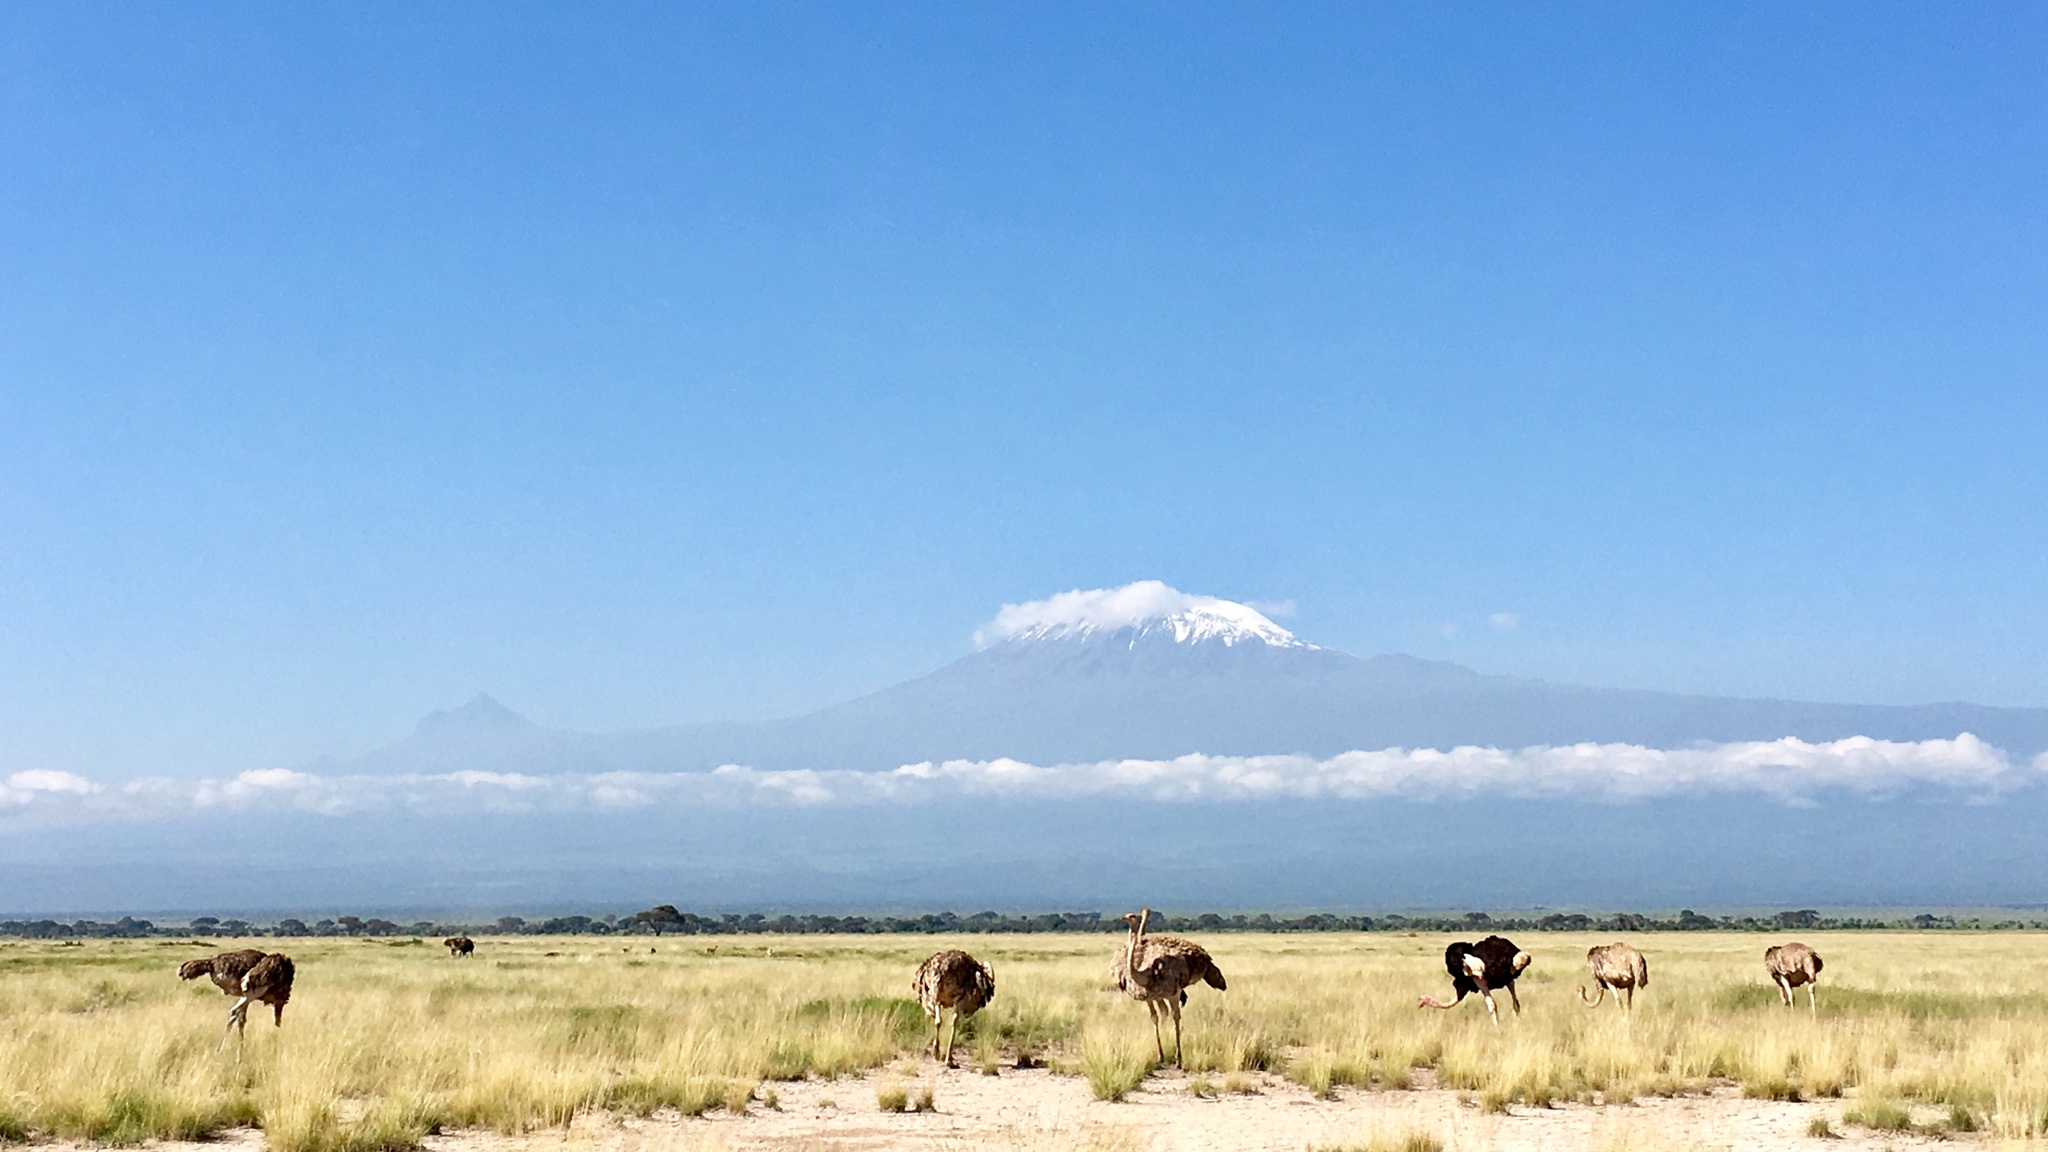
(387, 1040)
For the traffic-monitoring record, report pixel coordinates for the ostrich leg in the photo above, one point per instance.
(1631, 1005)
(1784, 990)
(238, 1018)
(1812, 1001)
(1179, 1060)
(1157, 1042)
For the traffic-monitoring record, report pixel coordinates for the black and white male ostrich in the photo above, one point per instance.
(1620, 967)
(459, 946)
(1492, 963)
(952, 979)
(254, 976)
(1158, 970)
(1791, 965)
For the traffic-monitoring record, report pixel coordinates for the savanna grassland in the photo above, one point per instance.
(388, 1040)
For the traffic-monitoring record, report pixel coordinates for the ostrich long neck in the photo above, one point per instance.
(1137, 942)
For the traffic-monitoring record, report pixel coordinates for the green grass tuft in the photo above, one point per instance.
(1880, 1115)
(1115, 1066)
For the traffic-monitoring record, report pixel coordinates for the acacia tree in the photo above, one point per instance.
(660, 918)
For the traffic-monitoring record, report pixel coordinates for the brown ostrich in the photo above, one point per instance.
(1791, 965)
(1492, 963)
(250, 975)
(952, 979)
(1159, 970)
(1620, 967)
(459, 946)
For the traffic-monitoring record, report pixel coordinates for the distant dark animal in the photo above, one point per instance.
(251, 975)
(1158, 970)
(1791, 965)
(459, 946)
(1492, 963)
(1620, 967)
(952, 980)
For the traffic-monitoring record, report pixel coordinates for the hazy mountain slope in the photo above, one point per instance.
(1047, 702)
(1224, 683)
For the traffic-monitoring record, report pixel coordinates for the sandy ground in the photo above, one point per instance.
(1035, 1109)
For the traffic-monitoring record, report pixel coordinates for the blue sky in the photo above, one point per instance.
(643, 364)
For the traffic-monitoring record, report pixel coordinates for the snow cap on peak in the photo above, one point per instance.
(1147, 607)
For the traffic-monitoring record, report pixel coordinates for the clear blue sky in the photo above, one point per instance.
(643, 364)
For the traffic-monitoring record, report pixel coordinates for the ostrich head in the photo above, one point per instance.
(1522, 960)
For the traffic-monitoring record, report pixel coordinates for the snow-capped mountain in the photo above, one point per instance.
(1140, 673)
(1135, 614)
(1146, 671)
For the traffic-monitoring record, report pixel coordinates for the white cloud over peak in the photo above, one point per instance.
(1142, 604)
(1788, 771)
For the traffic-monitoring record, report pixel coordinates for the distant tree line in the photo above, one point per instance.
(666, 919)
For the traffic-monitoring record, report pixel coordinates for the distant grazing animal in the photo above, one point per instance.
(460, 946)
(952, 979)
(1158, 970)
(249, 974)
(1791, 965)
(1620, 967)
(1492, 963)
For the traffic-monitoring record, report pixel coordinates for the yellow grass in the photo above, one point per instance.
(385, 1041)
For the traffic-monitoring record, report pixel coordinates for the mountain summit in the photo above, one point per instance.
(1133, 614)
(481, 714)
(1145, 671)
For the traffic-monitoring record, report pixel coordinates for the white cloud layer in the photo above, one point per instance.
(1788, 771)
(25, 787)
(1136, 605)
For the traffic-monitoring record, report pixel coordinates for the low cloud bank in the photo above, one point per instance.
(1789, 771)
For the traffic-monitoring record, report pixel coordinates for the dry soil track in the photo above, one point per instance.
(1038, 1110)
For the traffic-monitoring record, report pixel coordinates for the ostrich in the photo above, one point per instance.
(1492, 963)
(1791, 965)
(1159, 970)
(459, 946)
(1620, 967)
(249, 974)
(952, 979)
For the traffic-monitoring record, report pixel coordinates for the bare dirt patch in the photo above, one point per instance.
(1036, 1109)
